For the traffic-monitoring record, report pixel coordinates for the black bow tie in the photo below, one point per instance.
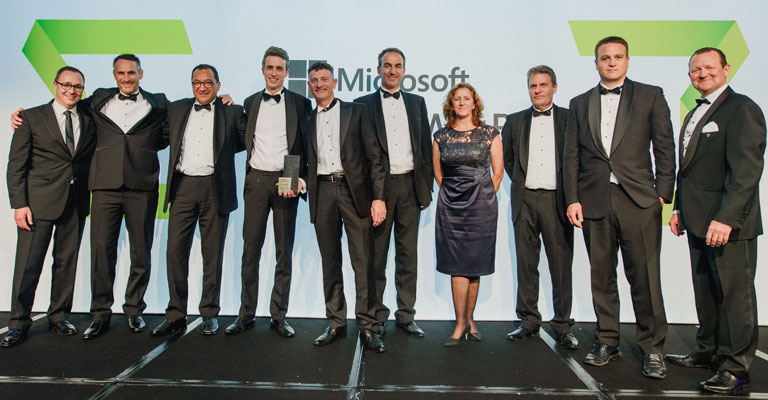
(333, 103)
(199, 107)
(131, 97)
(266, 96)
(387, 94)
(537, 113)
(604, 90)
(701, 101)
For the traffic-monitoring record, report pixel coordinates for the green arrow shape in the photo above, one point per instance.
(50, 38)
(667, 39)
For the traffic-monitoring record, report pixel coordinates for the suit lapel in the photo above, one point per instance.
(694, 141)
(525, 140)
(153, 106)
(594, 119)
(84, 124)
(413, 125)
(313, 129)
(53, 128)
(623, 114)
(559, 135)
(381, 127)
(290, 119)
(177, 132)
(219, 128)
(345, 116)
(253, 115)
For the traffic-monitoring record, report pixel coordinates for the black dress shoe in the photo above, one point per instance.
(62, 328)
(210, 326)
(167, 327)
(689, 361)
(725, 382)
(96, 329)
(372, 341)
(330, 335)
(411, 329)
(601, 354)
(15, 337)
(523, 333)
(282, 328)
(568, 341)
(379, 328)
(239, 326)
(653, 366)
(136, 323)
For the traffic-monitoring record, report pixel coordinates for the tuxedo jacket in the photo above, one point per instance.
(642, 122)
(297, 108)
(41, 170)
(360, 158)
(228, 131)
(421, 139)
(126, 160)
(720, 172)
(516, 135)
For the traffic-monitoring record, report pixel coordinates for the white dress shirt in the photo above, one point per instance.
(542, 170)
(697, 114)
(126, 113)
(196, 152)
(609, 107)
(398, 134)
(61, 119)
(270, 143)
(328, 127)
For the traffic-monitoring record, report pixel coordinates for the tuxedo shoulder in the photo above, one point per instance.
(235, 109)
(159, 97)
(646, 86)
(413, 96)
(517, 115)
(181, 103)
(368, 98)
(38, 110)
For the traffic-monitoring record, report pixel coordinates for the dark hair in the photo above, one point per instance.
(723, 61)
(318, 65)
(391, 50)
(129, 57)
(275, 51)
(612, 39)
(206, 66)
(68, 68)
(542, 69)
(450, 116)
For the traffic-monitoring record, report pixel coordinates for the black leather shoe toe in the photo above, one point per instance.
(331, 335)
(136, 323)
(690, 361)
(14, 337)
(522, 333)
(602, 354)
(568, 341)
(239, 326)
(282, 328)
(168, 327)
(653, 366)
(96, 329)
(62, 328)
(372, 341)
(411, 329)
(210, 326)
(725, 382)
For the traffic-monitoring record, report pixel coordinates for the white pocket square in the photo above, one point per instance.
(711, 126)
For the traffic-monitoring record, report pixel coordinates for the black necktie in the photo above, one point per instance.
(69, 132)
(333, 103)
(604, 90)
(266, 96)
(387, 94)
(199, 107)
(537, 113)
(701, 101)
(131, 97)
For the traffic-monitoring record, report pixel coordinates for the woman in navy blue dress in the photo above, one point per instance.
(465, 226)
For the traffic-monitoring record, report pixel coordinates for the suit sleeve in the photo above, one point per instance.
(509, 154)
(663, 140)
(373, 154)
(18, 164)
(426, 144)
(571, 157)
(744, 150)
(240, 125)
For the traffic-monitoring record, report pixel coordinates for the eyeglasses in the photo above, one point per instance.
(205, 84)
(67, 86)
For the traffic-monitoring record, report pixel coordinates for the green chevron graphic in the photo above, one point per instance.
(50, 38)
(667, 39)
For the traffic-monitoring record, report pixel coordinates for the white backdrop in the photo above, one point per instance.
(491, 43)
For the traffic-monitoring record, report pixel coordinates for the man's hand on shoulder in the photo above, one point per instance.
(16, 119)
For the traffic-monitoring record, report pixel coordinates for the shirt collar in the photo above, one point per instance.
(59, 109)
(714, 95)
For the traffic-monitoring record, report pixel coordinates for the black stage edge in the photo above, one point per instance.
(258, 364)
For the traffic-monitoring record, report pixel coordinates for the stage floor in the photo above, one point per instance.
(258, 364)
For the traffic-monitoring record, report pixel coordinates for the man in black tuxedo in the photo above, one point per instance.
(533, 150)
(276, 124)
(611, 187)
(47, 181)
(346, 184)
(204, 137)
(402, 130)
(722, 143)
(123, 178)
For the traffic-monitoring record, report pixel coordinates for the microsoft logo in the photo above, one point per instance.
(297, 79)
